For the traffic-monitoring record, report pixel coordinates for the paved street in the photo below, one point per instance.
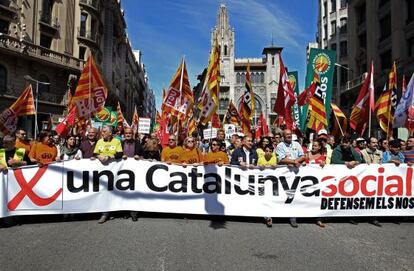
(175, 243)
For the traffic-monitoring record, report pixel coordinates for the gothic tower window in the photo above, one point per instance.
(262, 77)
(225, 50)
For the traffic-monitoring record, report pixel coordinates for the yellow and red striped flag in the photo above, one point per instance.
(317, 112)
(179, 97)
(386, 103)
(91, 92)
(232, 116)
(209, 98)
(121, 121)
(340, 124)
(135, 120)
(247, 104)
(23, 106)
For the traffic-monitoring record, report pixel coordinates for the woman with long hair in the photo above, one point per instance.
(69, 149)
(317, 155)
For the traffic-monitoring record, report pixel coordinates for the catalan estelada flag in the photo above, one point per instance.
(23, 106)
(387, 102)
(91, 92)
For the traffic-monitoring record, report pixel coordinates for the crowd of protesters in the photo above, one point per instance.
(279, 148)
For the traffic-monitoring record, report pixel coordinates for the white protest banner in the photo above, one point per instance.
(210, 133)
(83, 186)
(144, 125)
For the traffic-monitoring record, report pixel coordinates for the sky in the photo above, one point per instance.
(167, 30)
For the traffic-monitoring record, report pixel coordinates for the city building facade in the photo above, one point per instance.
(264, 71)
(48, 41)
(332, 35)
(381, 31)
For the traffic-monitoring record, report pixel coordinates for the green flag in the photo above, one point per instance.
(322, 62)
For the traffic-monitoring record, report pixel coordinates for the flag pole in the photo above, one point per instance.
(180, 89)
(339, 124)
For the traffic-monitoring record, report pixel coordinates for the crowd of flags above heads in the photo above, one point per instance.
(178, 111)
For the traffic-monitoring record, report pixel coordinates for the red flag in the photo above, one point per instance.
(64, 127)
(265, 129)
(285, 97)
(308, 93)
(261, 127)
(364, 104)
(215, 121)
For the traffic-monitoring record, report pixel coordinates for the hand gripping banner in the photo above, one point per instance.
(86, 186)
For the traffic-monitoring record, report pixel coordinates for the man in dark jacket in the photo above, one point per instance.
(245, 156)
(346, 155)
(131, 147)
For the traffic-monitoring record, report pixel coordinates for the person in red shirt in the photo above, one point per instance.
(318, 153)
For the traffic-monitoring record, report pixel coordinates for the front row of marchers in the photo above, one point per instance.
(241, 150)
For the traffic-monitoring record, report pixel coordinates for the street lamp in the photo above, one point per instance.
(29, 78)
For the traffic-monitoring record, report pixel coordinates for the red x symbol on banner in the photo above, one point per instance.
(27, 190)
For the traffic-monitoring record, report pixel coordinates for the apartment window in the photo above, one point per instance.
(333, 28)
(93, 26)
(363, 67)
(3, 79)
(343, 48)
(343, 25)
(4, 27)
(45, 41)
(82, 51)
(333, 5)
(82, 30)
(42, 88)
(361, 13)
(344, 3)
(333, 46)
(386, 60)
(385, 27)
(410, 11)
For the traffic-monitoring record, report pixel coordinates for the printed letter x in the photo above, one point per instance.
(27, 189)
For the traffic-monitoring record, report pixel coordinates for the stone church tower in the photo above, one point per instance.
(264, 71)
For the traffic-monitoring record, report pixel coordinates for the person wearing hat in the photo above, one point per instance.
(360, 144)
(323, 136)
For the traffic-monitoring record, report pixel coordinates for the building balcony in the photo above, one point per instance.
(88, 37)
(354, 83)
(9, 11)
(48, 24)
(92, 5)
(14, 46)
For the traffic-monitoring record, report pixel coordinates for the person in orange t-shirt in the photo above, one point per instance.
(215, 156)
(21, 140)
(43, 151)
(172, 153)
(190, 154)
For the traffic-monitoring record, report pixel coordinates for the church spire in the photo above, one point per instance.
(223, 18)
